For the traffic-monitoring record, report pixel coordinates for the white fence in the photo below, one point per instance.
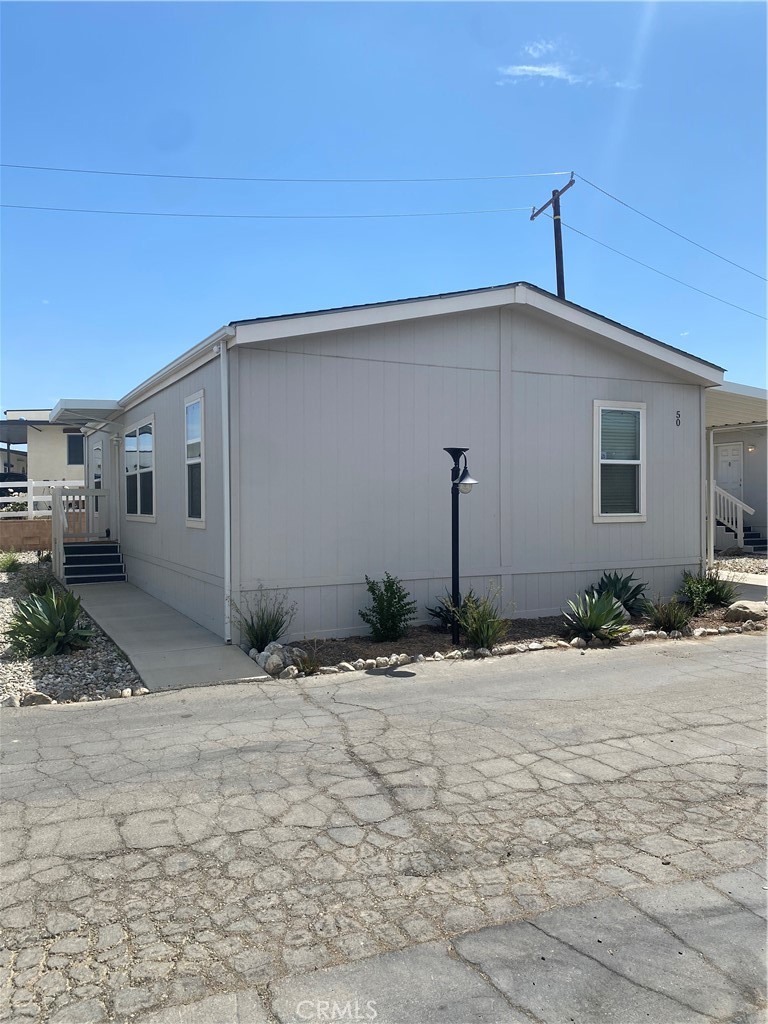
(79, 515)
(33, 495)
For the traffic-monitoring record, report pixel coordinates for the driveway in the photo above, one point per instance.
(576, 837)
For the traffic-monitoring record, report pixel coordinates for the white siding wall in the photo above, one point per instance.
(47, 455)
(340, 469)
(181, 565)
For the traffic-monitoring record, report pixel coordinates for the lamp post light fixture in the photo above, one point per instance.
(461, 482)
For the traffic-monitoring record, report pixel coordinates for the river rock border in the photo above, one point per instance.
(283, 661)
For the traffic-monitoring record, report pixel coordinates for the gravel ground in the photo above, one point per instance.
(94, 673)
(747, 562)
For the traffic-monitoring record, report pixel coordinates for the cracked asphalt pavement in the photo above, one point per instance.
(545, 837)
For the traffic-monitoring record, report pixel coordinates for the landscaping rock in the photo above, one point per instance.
(31, 699)
(344, 666)
(562, 643)
(453, 655)
(328, 670)
(113, 693)
(404, 659)
(394, 660)
(711, 632)
(370, 663)
(253, 654)
(723, 629)
(535, 647)
(675, 635)
(578, 641)
(419, 657)
(651, 634)
(273, 664)
(437, 656)
(662, 635)
(359, 664)
(699, 632)
(9, 701)
(636, 634)
(740, 611)
(748, 626)
(482, 652)
(382, 662)
(596, 642)
(289, 672)
(126, 692)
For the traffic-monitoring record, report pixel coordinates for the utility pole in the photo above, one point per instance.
(554, 202)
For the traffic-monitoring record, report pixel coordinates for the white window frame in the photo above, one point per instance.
(146, 421)
(195, 524)
(628, 517)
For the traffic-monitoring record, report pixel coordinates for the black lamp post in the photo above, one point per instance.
(461, 483)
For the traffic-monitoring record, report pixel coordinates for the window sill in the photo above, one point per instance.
(140, 519)
(620, 519)
(195, 524)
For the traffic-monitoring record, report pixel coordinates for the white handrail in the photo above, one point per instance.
(730, 510)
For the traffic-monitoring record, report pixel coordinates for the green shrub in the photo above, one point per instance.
(36, 582)
(310, 662)
(443, 611)
(596, 615)
(704, 590)
(10, 562)
(265, 616)
(44, 557)
(480, 621)
(47, 624)
(669, 615)
(391, 608)
(621, 587)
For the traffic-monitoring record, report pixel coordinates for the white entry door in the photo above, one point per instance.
(728, 476)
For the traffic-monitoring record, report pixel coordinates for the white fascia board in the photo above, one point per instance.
(368, 316)
(68, 411)
(193, 359)
(743, 390)
(701, 374)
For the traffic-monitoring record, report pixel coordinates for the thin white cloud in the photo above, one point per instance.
(684, 334)
(553, 71)
(539, 49)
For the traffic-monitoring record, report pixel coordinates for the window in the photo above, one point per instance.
(619, 474)
(140, 471)
(75, 450)
(194, 458)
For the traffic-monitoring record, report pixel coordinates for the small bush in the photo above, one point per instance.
(10, 562)
(311, 661)
(46, 624)
(391, 608)
(265, 616)
(621, 587)
(44, 557)
(669, 615)
(36, 582)
(443, 611)
(704, 590)
(480, 621)
(596, 615)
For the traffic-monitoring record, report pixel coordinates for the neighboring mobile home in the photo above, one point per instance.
(305, 451)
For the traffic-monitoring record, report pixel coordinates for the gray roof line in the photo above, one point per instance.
(476, 291)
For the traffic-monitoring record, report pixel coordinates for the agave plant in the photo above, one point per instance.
(621, 587)
(46, 624)
(596, 615)
(444, 611)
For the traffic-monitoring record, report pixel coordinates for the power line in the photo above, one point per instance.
(302, 181)
(656, 271)
(265, 216)
(666, 227)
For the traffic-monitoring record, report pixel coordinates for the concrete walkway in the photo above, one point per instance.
(168, 650)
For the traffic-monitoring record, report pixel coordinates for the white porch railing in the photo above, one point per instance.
(730, 512)
(34, 495)
(79, 514)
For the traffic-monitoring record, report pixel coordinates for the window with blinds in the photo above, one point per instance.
(619, 470)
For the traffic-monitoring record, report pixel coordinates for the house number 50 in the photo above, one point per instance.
(677, 418)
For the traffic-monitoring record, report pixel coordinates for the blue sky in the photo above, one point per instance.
(661, 104)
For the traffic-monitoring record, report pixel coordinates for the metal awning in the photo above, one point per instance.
(732, 405)
(77, 412)
(15, 431)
